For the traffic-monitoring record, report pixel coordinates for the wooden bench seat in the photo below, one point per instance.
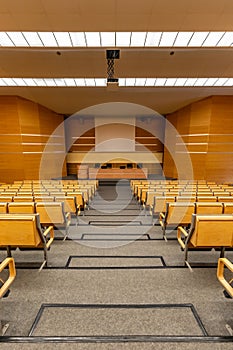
(53, 213)
(177, 213)
(24, 231)
(207, 231)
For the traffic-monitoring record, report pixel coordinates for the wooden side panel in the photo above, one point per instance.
(219, 162)
(25, 128)
(52, 130)
(11, 157)
(206, 128)
(170, 140)
(191, 144)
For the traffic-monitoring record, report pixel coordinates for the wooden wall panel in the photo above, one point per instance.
(11, 157)
(219, 161)
(21, 141)
(170, 141)
(206, 128)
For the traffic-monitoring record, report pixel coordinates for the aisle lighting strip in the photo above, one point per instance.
(123, 82)
(116, 39)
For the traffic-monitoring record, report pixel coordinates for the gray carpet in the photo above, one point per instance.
(89, 279)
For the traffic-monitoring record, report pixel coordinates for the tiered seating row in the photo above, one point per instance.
(34, 208)
(180, 213)
(50, 191)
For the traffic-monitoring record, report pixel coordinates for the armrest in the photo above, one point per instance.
(181, 231)
(78, 210)
(161, 219)
(151, 209)
(222, 262)
(68, 217)
(161, 216)
(50, 231)
(12, 274)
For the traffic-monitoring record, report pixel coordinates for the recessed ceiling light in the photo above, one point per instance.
(123, 38)
(69, 82)
(153, 38)
(48, 39)
(229, 82)
(213, 38)
(150, 81)
(5, 40)
(210, 81)
(170, 81)
(200, 81)
(93, 39)
(226, 40)
(32, 38)
(63, 39)
(17, 38)
(39, 82)
(138, 39)
(160, 81)
(183, 39)
(108, 39)
(140, 81)
(130, 82)
(168, 39)
(78, 39)
(198, 38)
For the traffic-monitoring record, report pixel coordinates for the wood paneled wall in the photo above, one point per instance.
(204, 130)
(25, 128)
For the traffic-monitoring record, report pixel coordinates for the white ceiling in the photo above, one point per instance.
(116, 15)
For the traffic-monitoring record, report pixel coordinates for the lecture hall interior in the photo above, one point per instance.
(116, 174)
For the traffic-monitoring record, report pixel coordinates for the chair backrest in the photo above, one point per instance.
(51, 212)
(209, 208)
(211, 231)
(221, 193)
(45, 198)
(228, 208)
(160, 203)
(206, 198)
(6, 198)
(186, 199)
(179, 213)
(20, 230)
(150, 197)
(23, 199)
(21, 207)
(70, 205)
(3, 207)
(225, 199)
(79, 197)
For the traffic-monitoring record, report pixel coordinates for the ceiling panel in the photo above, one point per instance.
(61, 7)
(135, 7)
(133, 63)
(116, 15)
(71, 100)
(23, 6)
(97, 7)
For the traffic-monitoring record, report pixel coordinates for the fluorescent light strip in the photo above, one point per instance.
(116, 39)
(127, 82)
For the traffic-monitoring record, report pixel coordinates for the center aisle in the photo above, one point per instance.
(113, 216)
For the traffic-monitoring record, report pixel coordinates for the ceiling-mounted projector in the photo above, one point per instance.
(112, 82)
